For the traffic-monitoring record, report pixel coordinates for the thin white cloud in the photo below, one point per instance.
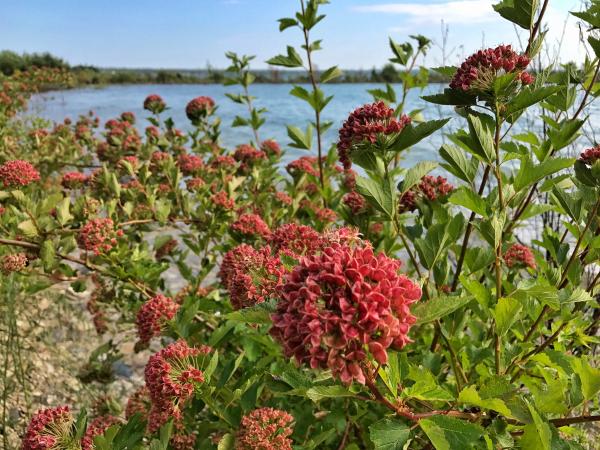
(457, 12)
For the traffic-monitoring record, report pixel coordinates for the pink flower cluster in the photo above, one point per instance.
(247, 156)
(355, 202)
(155, 104)
(251, 225)
(14, 262)
(265, 429)
(171, 377)
(341, 305)
(519, 255)
(283, 198)
(296, 240)
(18, 173)
(199, 107)
(49, 429)
(590, 156)
(153, 315)
(97, 427)
(98, 236)
(367, 124)
(430, 187)
(71, 180)
(304, 165)
(128, 116)
(479, 70)
(190, 164)
(138, 403)
(270, 147)
(251, 276)
(223, 200)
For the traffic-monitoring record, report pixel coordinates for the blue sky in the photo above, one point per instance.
(192, 33)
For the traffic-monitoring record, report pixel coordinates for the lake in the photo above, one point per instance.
(282, 109)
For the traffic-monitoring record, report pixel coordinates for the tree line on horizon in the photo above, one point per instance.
(10, 62)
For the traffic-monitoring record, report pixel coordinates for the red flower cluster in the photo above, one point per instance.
(341, 305)
(367, 124)
(222, 162)
(153, 315)
(190, 164)
(302, 165)
(18, 173)
(265, 429)
(519, 255)
(430, 187)
(71, 180)
(193, 184)
(251, 276)
(128, 116)
(171, 376)
(295, 240)
(199, 108)
(97, 427)
(155, 104)
(183, 441)
(98, 236)
(590, 156)
(49, 429)
(223, 200)
(251, 225)
(355, 202)
(480, 69)
(270, 147)
(14, 262)
(283, 198)
(158, 157)
(247, 155)
(139, 403)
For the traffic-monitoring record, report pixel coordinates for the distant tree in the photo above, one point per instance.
(389, 74)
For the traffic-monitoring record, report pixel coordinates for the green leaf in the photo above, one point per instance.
(317, 393)
(414, 174)
(28, 228)
(300, 139)
(285, 23)
(595, 44)
(537, 435)
(458, 164)
(470, 396)
(48, 255)
(451, 97)
(260, 313)
(388, 434)
(506, 314)
(381, 196)
(162, 210)
(565, 134)
(330, 74)
(227, 442)
(410, 135)
(438, 307)
(448, 433)
(468, 198)
(528, 97)
(530, 173)
(482, 138)
(292, 59)
(589, 376)
(519, 12)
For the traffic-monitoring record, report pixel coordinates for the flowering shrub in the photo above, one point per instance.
(485, 336)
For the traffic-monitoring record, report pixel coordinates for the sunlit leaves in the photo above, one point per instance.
(389, 434)
(292, 59)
